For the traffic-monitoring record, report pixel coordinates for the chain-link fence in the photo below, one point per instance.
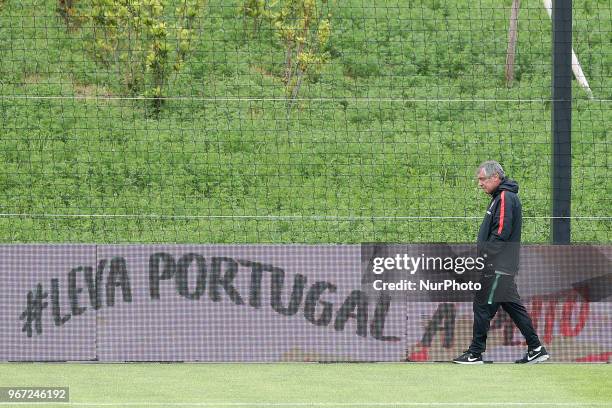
(294, 121)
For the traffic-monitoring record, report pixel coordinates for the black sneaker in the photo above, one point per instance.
(469, 358)
(533, 356)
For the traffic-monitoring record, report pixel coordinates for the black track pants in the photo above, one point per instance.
(488, 302)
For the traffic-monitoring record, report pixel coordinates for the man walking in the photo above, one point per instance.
(498, 243)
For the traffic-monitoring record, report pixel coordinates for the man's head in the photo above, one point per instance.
(490, 174)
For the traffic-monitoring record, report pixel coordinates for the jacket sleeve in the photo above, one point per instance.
(501, 224)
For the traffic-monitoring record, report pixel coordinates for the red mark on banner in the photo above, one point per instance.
(420, 354)
(595, 358)
(549, 320)
(566, 318)
(548, 305)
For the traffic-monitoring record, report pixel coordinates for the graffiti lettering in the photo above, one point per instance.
(117, 278)
(33, 311)
(193, 277)
(222, 272)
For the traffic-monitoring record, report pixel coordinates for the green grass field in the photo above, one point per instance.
(320, 385)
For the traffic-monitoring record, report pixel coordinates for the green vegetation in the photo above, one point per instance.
(131, 38)
(333, 385)
(66, 10)
(409, 100)
(304, 28)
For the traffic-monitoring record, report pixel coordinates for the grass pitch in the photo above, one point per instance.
(319, 385)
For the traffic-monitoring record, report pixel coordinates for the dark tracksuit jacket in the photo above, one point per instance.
(499, 239)
(499, 236)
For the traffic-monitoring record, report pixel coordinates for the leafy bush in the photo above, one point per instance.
(257, 11)
(66, 10)
(303, 28)
(134, 36)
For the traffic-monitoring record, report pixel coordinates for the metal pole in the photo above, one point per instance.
(561, 120)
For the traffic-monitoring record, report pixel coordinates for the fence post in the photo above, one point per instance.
(561, 120)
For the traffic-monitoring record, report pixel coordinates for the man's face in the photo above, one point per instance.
(488, 184)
